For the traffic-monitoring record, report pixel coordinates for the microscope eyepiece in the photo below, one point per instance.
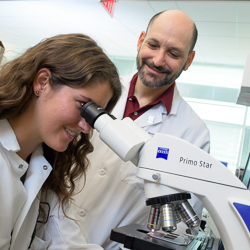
(90, 112)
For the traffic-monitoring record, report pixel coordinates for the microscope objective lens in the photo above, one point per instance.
(154, 219)
(169, 218)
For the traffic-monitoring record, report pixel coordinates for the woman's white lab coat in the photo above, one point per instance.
(19, 203)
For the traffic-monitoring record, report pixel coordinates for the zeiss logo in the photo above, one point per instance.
(162, 153)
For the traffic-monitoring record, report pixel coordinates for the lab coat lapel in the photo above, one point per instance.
(152, 117)
(35, 178)
(155, 115)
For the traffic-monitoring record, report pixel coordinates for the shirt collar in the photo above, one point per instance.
(166, 98)
(7, 137)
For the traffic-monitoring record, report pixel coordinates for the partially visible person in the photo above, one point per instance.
(113, 196)
(43, 138)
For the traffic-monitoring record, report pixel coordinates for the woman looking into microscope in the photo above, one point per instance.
(43, 139)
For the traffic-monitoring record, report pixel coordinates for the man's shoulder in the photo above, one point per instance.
(182, 107)
(185, 112)
(190, 126)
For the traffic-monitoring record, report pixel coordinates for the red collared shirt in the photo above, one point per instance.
(133, 109)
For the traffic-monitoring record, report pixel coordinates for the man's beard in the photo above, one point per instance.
(155, 84)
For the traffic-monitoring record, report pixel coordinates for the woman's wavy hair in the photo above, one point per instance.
(73, 60)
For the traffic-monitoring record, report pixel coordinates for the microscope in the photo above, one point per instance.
(173, 168)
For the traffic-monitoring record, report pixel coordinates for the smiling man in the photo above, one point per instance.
(113, 196)
(164, 51)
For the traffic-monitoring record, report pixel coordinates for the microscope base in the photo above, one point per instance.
(135, 237)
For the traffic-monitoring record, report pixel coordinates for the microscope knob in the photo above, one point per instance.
(156, 176)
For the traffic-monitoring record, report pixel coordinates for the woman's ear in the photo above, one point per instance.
(41, 80)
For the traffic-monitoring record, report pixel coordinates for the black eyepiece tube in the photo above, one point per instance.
(90, 112)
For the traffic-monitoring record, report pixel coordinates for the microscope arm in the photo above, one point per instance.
(188, 168)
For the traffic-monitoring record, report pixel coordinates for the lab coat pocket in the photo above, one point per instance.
(41, 244)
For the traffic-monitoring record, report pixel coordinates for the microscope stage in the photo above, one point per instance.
(137, 237)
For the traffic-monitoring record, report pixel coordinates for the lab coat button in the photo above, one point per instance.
(20, 166)
(135, 113)
(82, 213)
(102, 172)
(45, 167)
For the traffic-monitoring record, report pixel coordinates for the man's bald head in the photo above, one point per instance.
(182, 18)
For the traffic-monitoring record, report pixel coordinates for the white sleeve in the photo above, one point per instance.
(65, 233)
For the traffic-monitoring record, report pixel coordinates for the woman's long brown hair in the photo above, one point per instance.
(73, 60)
